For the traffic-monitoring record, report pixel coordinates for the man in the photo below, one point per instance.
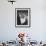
(22, 18)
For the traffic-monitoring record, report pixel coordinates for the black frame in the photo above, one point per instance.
(29, 21)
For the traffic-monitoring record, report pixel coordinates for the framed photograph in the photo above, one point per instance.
(22, 17)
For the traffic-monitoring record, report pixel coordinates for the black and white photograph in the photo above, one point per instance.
(22, 17)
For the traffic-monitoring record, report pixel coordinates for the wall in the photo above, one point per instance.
(37, 31)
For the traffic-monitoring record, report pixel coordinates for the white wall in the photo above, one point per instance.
(37, 31)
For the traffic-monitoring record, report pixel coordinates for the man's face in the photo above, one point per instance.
(22, 15)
